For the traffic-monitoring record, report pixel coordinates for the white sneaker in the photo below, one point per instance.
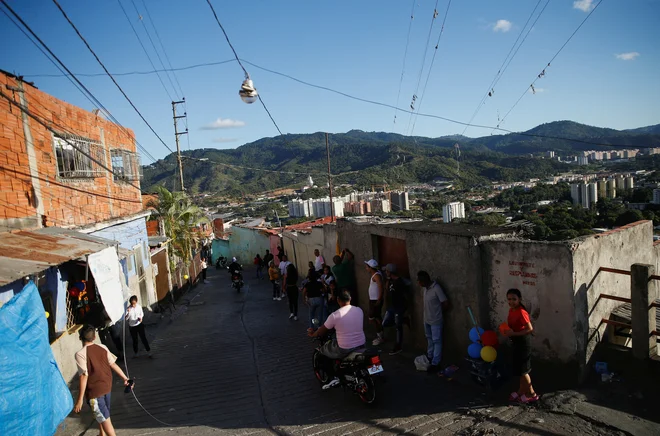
(274, 299)
(334, 382)
(279, 298)
(377, 341)
(291, 316)
(295, 318)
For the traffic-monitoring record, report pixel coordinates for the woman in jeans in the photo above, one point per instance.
(290, 283)
(313, 294)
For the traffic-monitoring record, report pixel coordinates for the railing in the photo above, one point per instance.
(640, 277)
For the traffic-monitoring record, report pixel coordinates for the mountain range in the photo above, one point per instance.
(366, 158)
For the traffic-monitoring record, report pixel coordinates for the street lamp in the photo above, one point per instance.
(248, 92)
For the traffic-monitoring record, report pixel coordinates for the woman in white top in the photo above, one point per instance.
(375, 299)
(134, 315)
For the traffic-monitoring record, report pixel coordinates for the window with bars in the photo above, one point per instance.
(76, 155)
(125, 165)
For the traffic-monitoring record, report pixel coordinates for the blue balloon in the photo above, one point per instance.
(474, 337)
(474, 350)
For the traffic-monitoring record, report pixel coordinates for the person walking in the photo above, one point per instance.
(290, 283)
(134, 316)
(274, 276)
(95, 366)
(318, 261)
(259, 263)
(520, 331)
(268, 257)
(284, 263)
(435, 302)
(375, 299)
(395, 313)
(312, 294)
(205, 266)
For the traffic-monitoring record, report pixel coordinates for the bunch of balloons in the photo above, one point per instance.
(483, 344)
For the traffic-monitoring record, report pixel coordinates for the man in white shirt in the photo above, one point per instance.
(435, 302)
(347, 322)
(134, 315)
(319, 261)
(283, 264)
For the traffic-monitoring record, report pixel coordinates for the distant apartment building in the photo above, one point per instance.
(453, 210)
(606, 188)
(381, 205)
(357, 207)
(625, 183)
(656, 196)
(315, 207)
(400, 201)
(550, 154)
(584, 194)
(583, 160)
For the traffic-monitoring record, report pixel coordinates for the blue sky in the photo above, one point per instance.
(606, 76)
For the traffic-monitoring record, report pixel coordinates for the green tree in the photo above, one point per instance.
(181, 219)
(629, 216)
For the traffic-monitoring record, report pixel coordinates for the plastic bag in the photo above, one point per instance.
(422, 363)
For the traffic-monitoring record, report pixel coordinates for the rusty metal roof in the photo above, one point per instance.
(28, 252)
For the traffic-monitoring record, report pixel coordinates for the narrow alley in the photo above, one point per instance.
(234, 364)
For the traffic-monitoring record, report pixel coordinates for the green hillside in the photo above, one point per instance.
(366, 158)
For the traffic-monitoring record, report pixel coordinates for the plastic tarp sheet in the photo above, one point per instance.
(34, 399)
(105, 268)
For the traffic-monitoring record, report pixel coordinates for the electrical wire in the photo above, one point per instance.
(247, 75)
(505, 65)
(70, 76)
(421, 99)
(405, 56)
(144, 49)
(108, 73)
(153, 24)
(542, 73)
(421, 69)
(146, 30)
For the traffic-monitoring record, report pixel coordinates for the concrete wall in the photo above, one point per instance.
(245, 243)
(454, 261)
(219, 247)
(543, 273)
(618, 249)
(299, 247)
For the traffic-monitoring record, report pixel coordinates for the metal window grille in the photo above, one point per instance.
(74, 156)
(70, 313)
(125, 165)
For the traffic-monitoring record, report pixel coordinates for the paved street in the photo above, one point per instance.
(234, 364)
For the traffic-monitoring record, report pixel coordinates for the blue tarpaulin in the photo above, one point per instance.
(34, 398)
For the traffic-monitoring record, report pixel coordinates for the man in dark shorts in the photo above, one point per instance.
(95, 365)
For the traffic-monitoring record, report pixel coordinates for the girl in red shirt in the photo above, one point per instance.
(520, 335)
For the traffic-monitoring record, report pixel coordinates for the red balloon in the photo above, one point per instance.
(489, 339)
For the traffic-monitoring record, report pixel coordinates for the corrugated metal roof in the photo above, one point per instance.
(28, 252)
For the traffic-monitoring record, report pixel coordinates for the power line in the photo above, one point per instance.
(405, 56)
(108, 73)
(542, 73)
(143, 49)
(247, 75)
(421, 69)
(505, 65)
(153, 24)
(135, 73)
(70, 76)
(154, 47)
(442, 30)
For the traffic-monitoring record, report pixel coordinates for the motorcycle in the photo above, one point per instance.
(237, 280)
(221, 263)
(355, 371)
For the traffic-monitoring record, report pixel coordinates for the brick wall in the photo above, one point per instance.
(65, 202)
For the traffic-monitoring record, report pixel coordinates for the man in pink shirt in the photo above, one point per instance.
(347, 322)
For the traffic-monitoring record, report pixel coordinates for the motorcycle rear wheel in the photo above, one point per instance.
(321, 375)
(365, 387)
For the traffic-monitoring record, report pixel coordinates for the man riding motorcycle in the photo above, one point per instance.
(347, 322)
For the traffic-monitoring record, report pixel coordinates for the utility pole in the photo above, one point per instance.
(332, 204)
(176, 136)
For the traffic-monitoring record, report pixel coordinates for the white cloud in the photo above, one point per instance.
(502, 26)
(223, 123)
(583, 5)
(630, 56)
(223, 140)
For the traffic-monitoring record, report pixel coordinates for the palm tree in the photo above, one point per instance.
(181, 219)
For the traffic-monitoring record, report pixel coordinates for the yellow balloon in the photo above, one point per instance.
(47, 315)
(488, 354)
(185, 277)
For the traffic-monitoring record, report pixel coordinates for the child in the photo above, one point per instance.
(274, 276)
(519, 333)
